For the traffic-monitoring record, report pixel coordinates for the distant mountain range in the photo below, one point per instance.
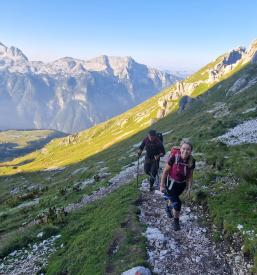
(69, 94)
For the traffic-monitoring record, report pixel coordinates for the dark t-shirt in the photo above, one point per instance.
(153, 147)
(180, 171)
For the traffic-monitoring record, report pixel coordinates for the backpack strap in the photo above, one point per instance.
(189, 164)
(176, 158)
(190, 161)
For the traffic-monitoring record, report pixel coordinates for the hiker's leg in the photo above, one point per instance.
(153, 173)
(177, 208)
(177, 190)
(147, 166)
(154, 170)
(168, 208)
(176, 212)
(174, 202)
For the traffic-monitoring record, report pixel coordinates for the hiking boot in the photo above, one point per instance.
(176, 225)
(168, 211)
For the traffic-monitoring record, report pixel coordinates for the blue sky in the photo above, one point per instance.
(166, 34)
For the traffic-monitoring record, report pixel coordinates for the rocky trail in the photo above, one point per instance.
(188, 251)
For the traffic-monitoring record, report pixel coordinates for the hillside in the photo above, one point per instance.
(62, 175)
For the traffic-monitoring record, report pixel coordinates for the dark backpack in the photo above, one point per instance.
(160, 137)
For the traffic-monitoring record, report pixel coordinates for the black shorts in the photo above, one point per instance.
(176, 190)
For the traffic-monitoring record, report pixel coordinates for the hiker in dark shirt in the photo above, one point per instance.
(177, 176)
(154, 150)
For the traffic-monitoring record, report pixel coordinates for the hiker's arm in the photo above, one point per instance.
(141, 148)
(165, 174)
(161, 152)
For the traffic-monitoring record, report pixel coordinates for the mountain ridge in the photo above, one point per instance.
(70, 94)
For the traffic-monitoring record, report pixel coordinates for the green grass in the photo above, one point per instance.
(94, 233)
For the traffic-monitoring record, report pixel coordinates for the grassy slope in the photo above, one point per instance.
(196, 123)
(94, 233)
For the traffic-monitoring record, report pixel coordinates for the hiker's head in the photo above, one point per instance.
(152, 134)
(186, 148)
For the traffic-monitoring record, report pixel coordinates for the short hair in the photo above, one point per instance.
(186, 141)
(152, 133)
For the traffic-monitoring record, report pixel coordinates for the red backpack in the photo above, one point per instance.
(175, 151)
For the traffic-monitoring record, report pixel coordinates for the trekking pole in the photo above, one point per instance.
(137, 170)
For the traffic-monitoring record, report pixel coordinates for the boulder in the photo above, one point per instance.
(162, 103)
(161, 113)
(174, 96)
(139, 270)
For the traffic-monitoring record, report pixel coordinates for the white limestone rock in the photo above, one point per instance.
(137, 270)
(242, 133)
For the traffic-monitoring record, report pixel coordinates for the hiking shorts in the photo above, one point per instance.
(173, 194)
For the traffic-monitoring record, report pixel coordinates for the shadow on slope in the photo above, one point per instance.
(12, 150)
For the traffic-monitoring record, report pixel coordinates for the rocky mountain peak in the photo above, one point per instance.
(12, 53)
(104, 62)
(3, 48)
(66, 65)
(233, 56)
(100, 63)
(252, 52)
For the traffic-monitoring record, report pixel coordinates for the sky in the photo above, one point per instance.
(165, 34)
